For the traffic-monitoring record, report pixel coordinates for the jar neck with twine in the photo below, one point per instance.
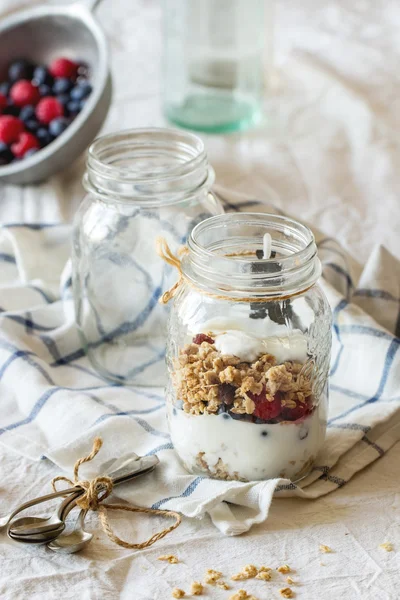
(224, 260)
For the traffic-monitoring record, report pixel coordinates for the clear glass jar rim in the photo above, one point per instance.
(239, 275)
(183, 170)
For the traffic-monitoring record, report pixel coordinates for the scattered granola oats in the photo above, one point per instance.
(325, 549)
(223, 585)
(169, 558)
(264, 575)
(387, 546)
(197, 588)
(178, 593)
(242, 595)
(284, 569)
(290, 580)
(248, 572)
(212, 576)
(219, 470)
(286, 593)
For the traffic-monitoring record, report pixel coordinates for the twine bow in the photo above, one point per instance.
(164, 251)
(98, 489)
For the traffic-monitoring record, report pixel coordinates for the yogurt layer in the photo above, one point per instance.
(248, 451)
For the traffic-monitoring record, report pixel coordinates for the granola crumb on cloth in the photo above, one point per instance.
(178, 593)
(223, 585)
(242, 595)
(197, 588)
(286, 593)
(173, 560)
(289, 580)
(248, 572)
(325, 549)
(264, 575)
(212, 576)
(284, 569)
(387, 546)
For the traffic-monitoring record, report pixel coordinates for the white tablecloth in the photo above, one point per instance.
(329, 151)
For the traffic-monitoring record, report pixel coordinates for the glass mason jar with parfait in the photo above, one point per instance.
(248, 349)
(140, 184)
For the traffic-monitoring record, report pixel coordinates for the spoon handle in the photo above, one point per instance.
(5, 520)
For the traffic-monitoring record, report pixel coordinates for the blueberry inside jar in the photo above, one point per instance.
(249, 350)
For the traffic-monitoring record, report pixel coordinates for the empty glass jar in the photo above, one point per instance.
(248, 350)
(140, 184)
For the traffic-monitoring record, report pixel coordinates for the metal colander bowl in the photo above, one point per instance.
(42, 34)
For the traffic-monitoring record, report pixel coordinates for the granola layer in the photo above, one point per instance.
(207, 381)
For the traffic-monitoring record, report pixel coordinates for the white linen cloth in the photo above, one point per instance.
(54, 403)
(330, 152)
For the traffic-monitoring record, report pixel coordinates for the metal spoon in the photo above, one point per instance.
(7, 518)
(74, 541)
(58, 519)
(116, 466)
(34, 529)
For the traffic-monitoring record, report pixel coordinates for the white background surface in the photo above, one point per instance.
(329, 148)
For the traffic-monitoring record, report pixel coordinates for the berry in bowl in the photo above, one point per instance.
(38, 103)
(55, 80)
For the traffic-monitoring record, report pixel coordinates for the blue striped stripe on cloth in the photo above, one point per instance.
(53, 402)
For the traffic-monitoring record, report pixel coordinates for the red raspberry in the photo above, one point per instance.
(3, 102)
(26, 141)
(10, 128)
(264, 409)
(23, 92)
(49, 108)
(299, 413)
(63, 67)
(202, 337)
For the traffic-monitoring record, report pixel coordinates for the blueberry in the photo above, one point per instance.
(81, 91)
(20, 69)
(225, 415)
(58, 126)
(226, 393)
(27, 113)
(11, 109)
(6, 156)
(45, 90)
(264, 433)
(62, 85)
(44, 136)
(221, 409)
(5, 88)
(42, 76)
(73, 107)
(32, 125)
(30, 152)
(258, 420)
(63, 99)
